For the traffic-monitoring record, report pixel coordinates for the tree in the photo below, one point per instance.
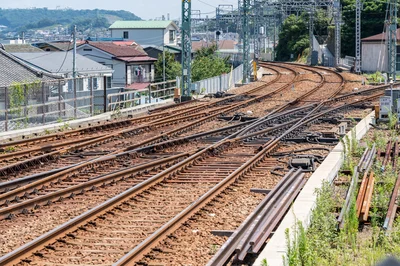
(293, 39)
(372, 22)
(172, 68)
(207, 65)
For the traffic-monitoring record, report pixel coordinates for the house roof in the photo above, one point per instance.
(136, 58)
(119, 50)
(137, 86)
(380, 37)
(61, 45)
(21, 48)
(140, 24)
(14, 70)
(222, 45)
(61, 62)
(160, 48)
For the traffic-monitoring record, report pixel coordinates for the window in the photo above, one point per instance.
(171, 36)
(87, 49)
(108, 84)
(126, 35)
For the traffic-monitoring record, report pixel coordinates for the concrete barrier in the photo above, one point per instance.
(302, 208)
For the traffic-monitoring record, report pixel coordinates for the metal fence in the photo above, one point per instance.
(218, 83)
(154, 93)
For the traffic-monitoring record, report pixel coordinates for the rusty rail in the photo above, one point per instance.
(253, 232)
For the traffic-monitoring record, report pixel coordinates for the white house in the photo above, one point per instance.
(375, 52)
(61, 63)
(146, 32)
(133, 68)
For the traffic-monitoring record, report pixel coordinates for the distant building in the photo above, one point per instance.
(21, 48)
(55, 46)
(14, 70)
(157, 50)
(133, 67)
(375, 53)
(60, 63)
(146, 32)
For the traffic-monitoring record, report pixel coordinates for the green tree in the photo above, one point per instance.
(372, 22)
(207, 64)
(293, 38)
(172, 68)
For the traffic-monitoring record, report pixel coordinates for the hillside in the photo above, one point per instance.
(26, 19)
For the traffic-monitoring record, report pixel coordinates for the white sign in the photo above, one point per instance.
(384, 104)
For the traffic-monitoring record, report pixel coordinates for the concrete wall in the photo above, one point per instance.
(374, 57)
(146, 36)
(141, 36)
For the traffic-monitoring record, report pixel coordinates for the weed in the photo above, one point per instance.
(264, 262)
(10, 149)
(214, 249)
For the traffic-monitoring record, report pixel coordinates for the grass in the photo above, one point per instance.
(323, 244)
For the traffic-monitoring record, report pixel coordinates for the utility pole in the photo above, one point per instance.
(74, 69)
(244, 10)
(186, 39)
(392, 39)
(357, 68)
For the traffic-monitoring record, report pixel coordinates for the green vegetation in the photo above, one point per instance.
(294, 36)
(372, 22)
(294, 39)
(172, 67)
(323, 244)
(19, 94)
(207, 64)
(25, 19)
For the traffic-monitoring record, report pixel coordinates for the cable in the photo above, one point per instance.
(65, 57)
(206, 3)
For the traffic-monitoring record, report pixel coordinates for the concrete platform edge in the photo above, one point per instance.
(301, 209)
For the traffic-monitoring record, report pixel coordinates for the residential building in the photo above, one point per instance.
(90, 72)
(133, 67)
(21, 48)
(375, 52)
(146, 32)
(55, 46)
(156, 50)
(14, 70)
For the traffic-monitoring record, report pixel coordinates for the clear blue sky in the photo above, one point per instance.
(146, 9)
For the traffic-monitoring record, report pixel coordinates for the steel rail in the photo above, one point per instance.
(42, 241)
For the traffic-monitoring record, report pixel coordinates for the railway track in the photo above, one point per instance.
(184, 174)
(15, 168)
(181, 175)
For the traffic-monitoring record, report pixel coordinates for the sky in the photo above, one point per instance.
(146, 9)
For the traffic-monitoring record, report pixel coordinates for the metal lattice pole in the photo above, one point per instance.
(311, 33)
(337, 18)
(392, 39)
(186, 39)
(244, 10)
(258, 15)
(357, 68)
